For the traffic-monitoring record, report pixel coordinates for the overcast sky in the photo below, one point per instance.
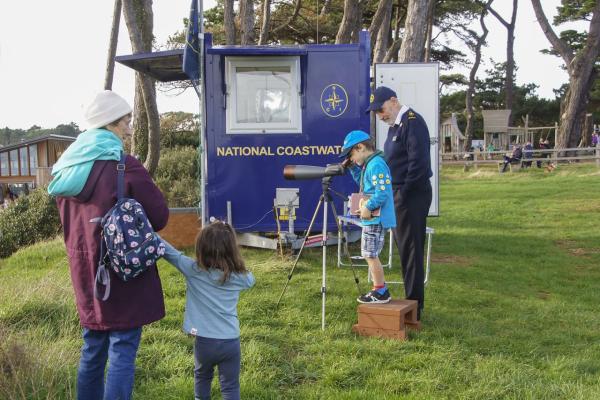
(53, 56)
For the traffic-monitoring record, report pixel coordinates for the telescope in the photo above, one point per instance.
(299, 172)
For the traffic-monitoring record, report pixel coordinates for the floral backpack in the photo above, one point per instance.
(129, 245)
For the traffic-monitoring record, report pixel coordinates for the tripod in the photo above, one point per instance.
(325, 200)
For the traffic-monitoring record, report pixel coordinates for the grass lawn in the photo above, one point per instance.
(511, 310)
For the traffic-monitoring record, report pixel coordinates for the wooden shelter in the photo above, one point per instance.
(453, 140)
(495, 128)
(28, 164)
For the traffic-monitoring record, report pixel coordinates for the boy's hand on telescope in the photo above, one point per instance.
(365, 213)
(347, 163)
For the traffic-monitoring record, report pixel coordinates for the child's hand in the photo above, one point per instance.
(365, 213)
(347, 163)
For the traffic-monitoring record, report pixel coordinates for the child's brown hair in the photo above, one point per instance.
(216, 247)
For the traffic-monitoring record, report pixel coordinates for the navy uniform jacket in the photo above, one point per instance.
(406, 152)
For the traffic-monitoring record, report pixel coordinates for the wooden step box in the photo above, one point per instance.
(388, 320)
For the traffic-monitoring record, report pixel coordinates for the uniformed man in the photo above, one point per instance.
(406, 152)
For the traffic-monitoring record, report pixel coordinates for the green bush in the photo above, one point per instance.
(177, 176)
(28, 220)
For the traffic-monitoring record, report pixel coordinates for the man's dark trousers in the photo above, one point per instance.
(411, 224)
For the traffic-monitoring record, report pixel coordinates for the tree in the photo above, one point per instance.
(112, 46)
(429, 37)
(288, 22)
(350, 21)
(379, 30)
(178, 129)
(476, 42)
(413, 43)
(579, 64)
(229, 22)
(139, 19)
(247, 22)
(264, 29)
(510, 55)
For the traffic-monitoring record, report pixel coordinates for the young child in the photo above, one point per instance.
(370, 171)
(214, 281)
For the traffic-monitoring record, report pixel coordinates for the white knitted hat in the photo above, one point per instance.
(106, 107)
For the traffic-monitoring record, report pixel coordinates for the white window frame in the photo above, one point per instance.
(234, 127)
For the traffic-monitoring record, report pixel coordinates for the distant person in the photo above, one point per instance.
(214, 280)
(407, 153)
(527, 154)
(515, 157)
(595, 139)
(85, 183)
(371, 173)
(490, 149)
(545, 144)
(543, 154)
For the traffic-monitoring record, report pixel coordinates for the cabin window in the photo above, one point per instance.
(33, 161)
(263, 95)
(4, 164)
(24, 158)
(14, 162)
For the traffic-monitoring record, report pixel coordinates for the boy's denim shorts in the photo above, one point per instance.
(371, 240)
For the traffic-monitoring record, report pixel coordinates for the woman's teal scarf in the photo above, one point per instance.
(72, 169)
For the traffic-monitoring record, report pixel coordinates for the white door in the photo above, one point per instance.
(416, 86)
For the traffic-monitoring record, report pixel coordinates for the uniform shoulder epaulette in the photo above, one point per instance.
(411, 115)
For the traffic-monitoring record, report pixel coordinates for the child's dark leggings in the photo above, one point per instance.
(226, 355)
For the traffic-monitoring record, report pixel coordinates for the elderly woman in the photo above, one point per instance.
(85, 183)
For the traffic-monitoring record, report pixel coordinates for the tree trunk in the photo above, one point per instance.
(291, 19)
(581, 75)
(428, 39)
(574, 109)
(325, 9)
(139, 19)
(357, 23)
(264, 29)
(399, 16)
(139, 140)
(348, 25)
(247, 22)
(479, 41)
(509, 93)
(413, 43)
(112, 47)
(383, 33)
(509, 83)
(229, 22)
(588, 128)
(392, 52)
(384, 9)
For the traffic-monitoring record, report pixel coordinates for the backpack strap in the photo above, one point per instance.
(364, 168)
(102, 275)
(121, 176)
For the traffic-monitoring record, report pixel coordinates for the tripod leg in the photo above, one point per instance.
(324, 265)
(312, 221)
(346, 251)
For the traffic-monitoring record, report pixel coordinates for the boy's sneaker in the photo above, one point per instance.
(374, 297)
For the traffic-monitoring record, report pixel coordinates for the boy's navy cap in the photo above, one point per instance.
(380, 96)
(351, 140)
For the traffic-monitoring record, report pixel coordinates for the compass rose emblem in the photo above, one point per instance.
(334, 100)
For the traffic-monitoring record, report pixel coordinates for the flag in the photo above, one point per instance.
(191, 65)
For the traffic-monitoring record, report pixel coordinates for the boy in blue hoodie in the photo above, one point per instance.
(372, 174)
